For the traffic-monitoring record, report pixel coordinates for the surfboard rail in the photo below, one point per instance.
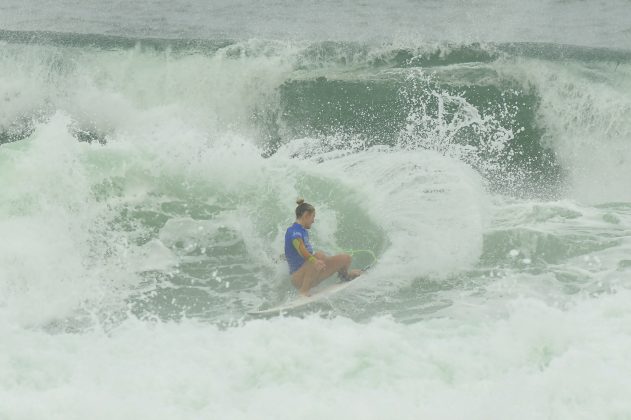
(316, 296)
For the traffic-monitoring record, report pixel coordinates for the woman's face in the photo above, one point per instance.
(307, 219)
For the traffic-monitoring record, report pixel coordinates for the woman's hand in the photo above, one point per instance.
(319, 265)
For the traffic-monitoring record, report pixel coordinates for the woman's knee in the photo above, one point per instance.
(296, 279)
(345, 259)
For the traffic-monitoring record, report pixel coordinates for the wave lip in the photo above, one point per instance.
(500, 108)
(408, 194)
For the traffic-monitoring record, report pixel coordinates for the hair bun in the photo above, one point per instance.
(300, 201)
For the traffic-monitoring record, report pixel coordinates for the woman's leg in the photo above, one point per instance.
(336, 264)
(307, 276)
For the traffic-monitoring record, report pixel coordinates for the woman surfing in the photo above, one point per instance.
(308, 269)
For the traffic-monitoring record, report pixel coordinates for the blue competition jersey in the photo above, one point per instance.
(294, 259)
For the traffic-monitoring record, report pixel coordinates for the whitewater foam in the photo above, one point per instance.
(515, 367)
(146, 191)
(585, 113)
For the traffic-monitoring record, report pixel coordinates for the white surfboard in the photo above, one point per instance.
(316, 295)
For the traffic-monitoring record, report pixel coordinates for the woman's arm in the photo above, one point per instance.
(302, 250)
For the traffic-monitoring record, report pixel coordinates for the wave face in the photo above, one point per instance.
(147, 184)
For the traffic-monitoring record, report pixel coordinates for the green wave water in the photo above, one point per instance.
(341, 89)
(147, 184)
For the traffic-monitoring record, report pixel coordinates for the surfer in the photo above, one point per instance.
(307, 268)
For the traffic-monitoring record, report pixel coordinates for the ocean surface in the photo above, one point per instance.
(476, 154)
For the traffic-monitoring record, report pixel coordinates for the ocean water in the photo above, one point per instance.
(477, 154)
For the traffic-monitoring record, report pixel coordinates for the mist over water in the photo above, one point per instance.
(597, 24)
(150, 157)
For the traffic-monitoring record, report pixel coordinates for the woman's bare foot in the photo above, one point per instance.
(351, 274)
